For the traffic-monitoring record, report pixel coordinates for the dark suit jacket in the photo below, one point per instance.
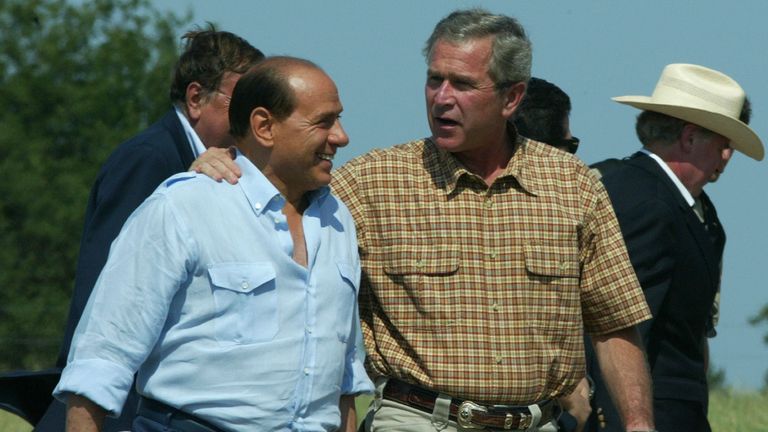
(677, 259)
(129, 176)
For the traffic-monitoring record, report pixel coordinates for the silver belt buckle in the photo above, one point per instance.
(464, 419)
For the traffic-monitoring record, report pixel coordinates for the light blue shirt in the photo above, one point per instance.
(200, 295)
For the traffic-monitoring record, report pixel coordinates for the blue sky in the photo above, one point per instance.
(593, 49)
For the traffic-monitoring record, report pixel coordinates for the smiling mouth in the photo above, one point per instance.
(325, 156)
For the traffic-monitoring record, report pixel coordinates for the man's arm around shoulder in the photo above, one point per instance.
(625, 371)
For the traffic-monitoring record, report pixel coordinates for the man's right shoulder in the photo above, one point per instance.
(391, 159)
(607, 166)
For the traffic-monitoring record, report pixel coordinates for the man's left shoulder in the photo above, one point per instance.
(542, 161)
(536, 152)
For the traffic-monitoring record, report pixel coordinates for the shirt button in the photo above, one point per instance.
(495, 306)
(493, 255)
(244, 286)
(257, 206)
(488, 203)
(306, 371)
(498, 358)
(563, 265)
(419, 263)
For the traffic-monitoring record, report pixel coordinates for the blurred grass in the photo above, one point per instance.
(729, 410)
(738, 411)
(361, 406)
(12, 423)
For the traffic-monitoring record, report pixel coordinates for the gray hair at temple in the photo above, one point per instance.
(511, 51)
(657, 128)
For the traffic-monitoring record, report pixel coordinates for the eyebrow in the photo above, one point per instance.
(323, 116)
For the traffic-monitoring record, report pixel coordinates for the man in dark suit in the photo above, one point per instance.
(689, 129)
(203, 80)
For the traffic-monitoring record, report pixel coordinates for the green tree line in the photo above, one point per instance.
(76, 79)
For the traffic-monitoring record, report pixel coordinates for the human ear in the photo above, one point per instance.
(687, 136)
(194, 99)
(513, 96)
(262, 126)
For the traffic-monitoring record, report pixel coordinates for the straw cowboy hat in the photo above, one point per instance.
(704, 97)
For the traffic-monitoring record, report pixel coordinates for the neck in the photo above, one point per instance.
(679, 167)
(487, 162)
(260, 158)
(297, 200)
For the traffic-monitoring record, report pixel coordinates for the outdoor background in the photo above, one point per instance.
(78, 77)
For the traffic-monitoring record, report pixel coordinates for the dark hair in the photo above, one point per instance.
(746, 111)
(542, 113)
(264, 85)
(511, 51)
(208, 54)
(652, 127)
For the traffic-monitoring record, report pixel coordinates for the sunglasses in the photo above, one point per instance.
(570, 144)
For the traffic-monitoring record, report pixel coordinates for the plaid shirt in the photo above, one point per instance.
(479, 292)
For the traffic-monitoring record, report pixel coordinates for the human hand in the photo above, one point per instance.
(577, 404)
(218, 164)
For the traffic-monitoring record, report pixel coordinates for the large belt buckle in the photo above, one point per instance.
(525, 421)
(464, 419)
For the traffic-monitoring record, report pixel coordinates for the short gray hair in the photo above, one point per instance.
(511, 52)
(653, 127)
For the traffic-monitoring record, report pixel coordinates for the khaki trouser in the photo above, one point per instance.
(389, 416)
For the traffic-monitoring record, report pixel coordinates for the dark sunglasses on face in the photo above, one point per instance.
(569, 144)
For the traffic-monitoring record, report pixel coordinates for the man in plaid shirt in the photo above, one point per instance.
(483, 254)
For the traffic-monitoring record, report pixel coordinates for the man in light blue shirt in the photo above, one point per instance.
(236, 304)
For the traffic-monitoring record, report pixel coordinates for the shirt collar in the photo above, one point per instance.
(195, 143)
(451, 170)
(683, 191)
(262, 194)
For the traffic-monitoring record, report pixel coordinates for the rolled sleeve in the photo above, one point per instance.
(104, 383)
(356, 379)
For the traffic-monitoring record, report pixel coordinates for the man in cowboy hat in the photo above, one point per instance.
(689, 129)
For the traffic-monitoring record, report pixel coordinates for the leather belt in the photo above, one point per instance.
(467, 414)
(172, 418)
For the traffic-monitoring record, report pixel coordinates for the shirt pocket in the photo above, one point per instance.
(554, 272)
(425, 277)
(245, 298)
(551, 261)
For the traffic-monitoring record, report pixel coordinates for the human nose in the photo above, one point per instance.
(444, 93)
(338, 135)
(727, 153)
